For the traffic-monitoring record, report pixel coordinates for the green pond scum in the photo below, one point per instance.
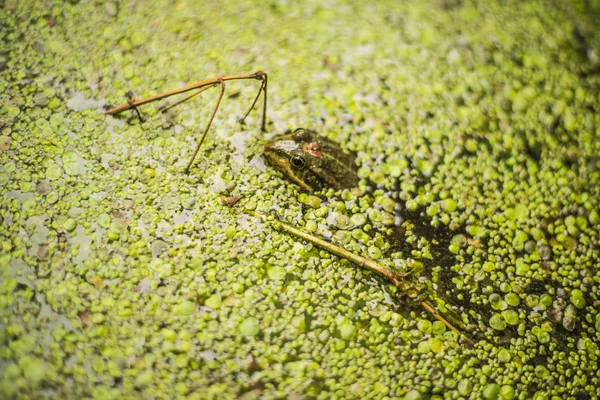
(476, 129)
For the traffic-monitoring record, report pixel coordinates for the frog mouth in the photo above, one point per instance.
(300, 183)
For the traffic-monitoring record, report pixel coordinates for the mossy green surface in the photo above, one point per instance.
(477, 131)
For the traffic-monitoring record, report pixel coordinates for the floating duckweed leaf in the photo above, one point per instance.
(54, 103)
(13, 111)
(158, 246)
(186, 307)
(250, 327)
(491, 391)
(29, 205)
(577, 298)
(163, 269)
(594, 217)
(276, 273)
(511, 317)
(424, 326)
(144, 378)
(56, 120)
(9, 167)
(342, 221)
(5, 142)
(69, 225)
(169, 202)
(214, 301)
(435, 344)
(52, 198)
(34, 370)
(53, 172)
(104, 220)
(71, 168)
(230, 231)
(497, 322)
(521, 211)
(347, 331)
(118, 225)
(70, 156)
(43, 188)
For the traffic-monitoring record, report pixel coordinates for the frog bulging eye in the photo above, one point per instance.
(297, 162)
(301, 135)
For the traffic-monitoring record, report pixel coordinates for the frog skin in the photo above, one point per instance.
(311, 161)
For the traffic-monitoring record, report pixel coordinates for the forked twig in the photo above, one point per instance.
(212, 116)
(199, 87)
(394, 277)
(167, 107)
(131, 100)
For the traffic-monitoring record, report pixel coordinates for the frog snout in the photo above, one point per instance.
(268, 150)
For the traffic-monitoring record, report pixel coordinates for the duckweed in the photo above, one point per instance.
(464, 387)
(311, 226)
(69, 225)
(594, 217)
(124, 277)
(425, 326)
(169, 335)
(497, 322)
(347, 331)
(415, 395)
(53, 172)
(34, 370)
(435, 344)
(230, 231)
(214, 301)
(491, 391)
(507, 392)
(577, 298)
(276, 273)
(185, 308)
(511, 317)
(504, 356)
(144, 378)
(250, 327)
(438, 328)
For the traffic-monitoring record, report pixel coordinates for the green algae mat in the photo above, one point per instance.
(476, 127)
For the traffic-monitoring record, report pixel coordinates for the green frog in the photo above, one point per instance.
(311, 161)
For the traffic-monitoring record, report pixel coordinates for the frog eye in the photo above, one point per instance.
(301, 134)
(297, 162)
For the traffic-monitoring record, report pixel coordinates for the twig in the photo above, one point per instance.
(394, 277)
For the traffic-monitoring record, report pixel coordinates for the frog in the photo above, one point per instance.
(312, 161)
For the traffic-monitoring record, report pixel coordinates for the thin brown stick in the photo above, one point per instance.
(260, 75)
(186, 98)
(200, 87)
(394, 277)
(130, 101)
(263, 126)
(243, 119)
(212, 116)
(437, 316)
